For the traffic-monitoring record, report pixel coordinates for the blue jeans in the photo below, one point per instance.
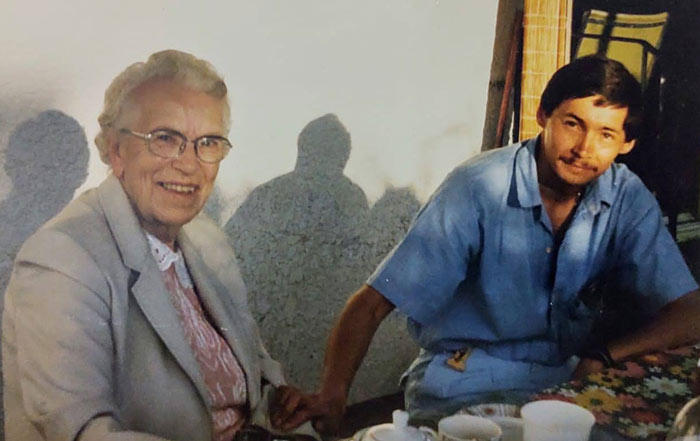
(434, 389)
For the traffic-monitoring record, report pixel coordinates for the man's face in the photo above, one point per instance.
(581, 139)
(166, 193)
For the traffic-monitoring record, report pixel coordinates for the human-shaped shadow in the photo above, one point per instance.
(392, 348)
(390, 218)
(46, 160)
(304, 243)
(215, 205)
(295, 238)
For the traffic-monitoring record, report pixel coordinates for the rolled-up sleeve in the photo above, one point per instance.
(421, 274)
(650, 265)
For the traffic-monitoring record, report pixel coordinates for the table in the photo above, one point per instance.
(638, 399)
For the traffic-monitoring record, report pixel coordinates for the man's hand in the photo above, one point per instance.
(347, 346)
(291, 408)
(585, 367)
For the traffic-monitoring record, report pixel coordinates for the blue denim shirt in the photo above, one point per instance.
(478, 266)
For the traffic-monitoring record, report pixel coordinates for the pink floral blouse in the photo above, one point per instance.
(222, 374)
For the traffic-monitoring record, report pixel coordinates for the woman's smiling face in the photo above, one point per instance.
(166, 193)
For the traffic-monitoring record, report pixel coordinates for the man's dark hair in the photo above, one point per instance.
(594, 75)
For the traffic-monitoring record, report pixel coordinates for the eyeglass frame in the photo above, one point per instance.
(195, 142)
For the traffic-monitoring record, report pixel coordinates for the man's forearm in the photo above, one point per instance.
(347, 346)
(350, 339)
(676, 324)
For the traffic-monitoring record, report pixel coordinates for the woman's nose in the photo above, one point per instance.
(187, 161)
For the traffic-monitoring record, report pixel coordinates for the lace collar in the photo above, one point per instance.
(165, 257)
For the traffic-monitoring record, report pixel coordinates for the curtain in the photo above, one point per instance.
(546, 47)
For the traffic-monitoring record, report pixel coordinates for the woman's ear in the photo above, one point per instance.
(115, 153)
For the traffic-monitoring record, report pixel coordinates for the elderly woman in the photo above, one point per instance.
(125, 317)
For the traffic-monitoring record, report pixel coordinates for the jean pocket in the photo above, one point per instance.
(443, 381)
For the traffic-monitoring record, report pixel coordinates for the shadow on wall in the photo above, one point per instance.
(215, 206)
(46, 160)
(305, 241)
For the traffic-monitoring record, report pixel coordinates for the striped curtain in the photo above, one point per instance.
(546, 47)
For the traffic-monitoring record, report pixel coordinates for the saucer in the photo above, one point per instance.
(492, 410)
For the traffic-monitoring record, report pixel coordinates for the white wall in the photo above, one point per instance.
(407, 78)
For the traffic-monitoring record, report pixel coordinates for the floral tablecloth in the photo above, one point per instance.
(640, 398)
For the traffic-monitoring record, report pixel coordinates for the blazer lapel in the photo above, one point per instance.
(149, 289)
(216, 301)
(154, 299)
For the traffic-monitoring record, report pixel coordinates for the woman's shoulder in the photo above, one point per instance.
(70, 242)
(80, 219)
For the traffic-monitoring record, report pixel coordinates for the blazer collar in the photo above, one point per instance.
(149, 289)
(152, 296)
(123, 223)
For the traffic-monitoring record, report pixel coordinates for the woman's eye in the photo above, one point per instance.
(209, 143)
(164, 137)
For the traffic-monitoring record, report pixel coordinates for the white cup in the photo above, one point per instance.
(467, 428)
(511, 427)
(552, 420)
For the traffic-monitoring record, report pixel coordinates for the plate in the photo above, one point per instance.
(492, 410)
(357, 436)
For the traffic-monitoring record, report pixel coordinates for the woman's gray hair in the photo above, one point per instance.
(181, 67)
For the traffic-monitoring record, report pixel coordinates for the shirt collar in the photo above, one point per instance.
(596, 193)
(525, 175)
(165, 257)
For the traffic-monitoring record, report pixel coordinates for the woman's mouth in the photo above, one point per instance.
(178, 188)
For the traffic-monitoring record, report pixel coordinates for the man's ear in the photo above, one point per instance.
(541, 117)
(627, 147)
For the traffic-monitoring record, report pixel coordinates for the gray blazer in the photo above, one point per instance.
(91, 343)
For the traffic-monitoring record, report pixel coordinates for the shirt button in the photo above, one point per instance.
(549, 250)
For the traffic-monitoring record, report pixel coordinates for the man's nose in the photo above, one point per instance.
(585, 144)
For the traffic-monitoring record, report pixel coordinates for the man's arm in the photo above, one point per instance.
(346, 348)
(674, 325)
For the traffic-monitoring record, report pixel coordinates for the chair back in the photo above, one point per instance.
(632, 39)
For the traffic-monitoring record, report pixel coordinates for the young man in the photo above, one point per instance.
(500, 273)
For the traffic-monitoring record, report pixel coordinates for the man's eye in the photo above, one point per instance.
(571, 123)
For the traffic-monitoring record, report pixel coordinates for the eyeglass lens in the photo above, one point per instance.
(167, 144)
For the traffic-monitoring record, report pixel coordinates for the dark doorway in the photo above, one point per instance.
(667, 157)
